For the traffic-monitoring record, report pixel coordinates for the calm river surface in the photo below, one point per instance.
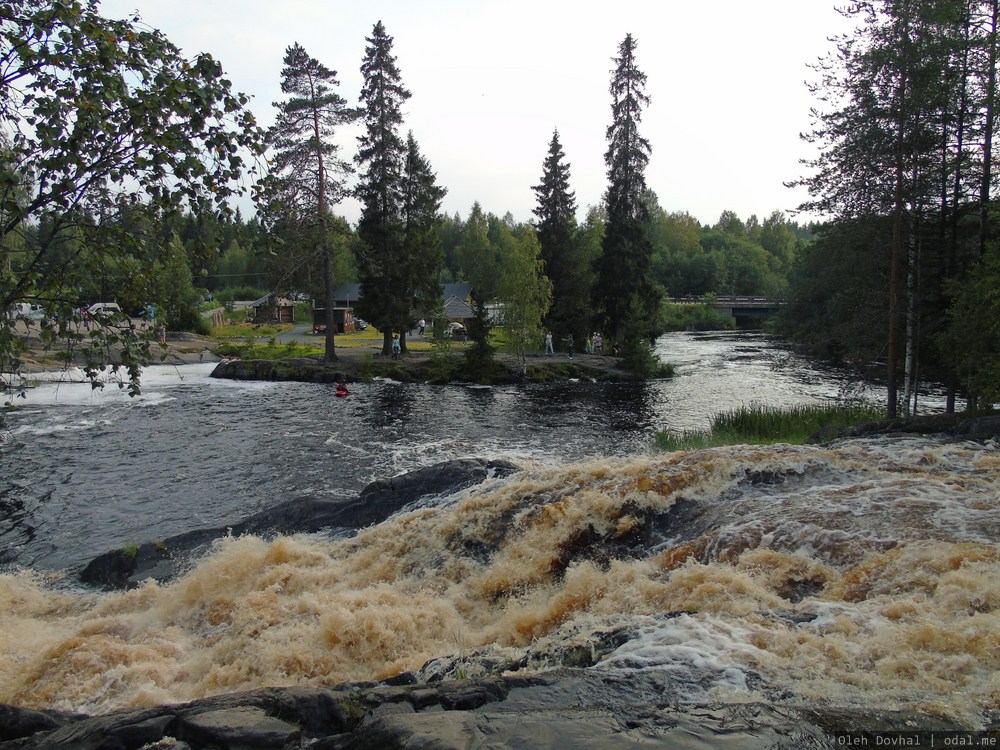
(82, 472)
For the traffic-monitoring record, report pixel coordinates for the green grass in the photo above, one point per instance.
(267, 351)
(760, 425)
(244, 330)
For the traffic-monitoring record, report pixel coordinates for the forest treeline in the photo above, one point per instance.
(228, 257)
(117, 185)
(906, 268)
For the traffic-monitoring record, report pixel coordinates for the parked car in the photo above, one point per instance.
(456, 330)
(359, 324)
(104, 308)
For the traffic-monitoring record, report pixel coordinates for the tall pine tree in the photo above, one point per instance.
(564, 263)
(627, 301)
(306, 164)
(381, 157)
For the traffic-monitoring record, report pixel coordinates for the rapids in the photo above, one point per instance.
(863, 573)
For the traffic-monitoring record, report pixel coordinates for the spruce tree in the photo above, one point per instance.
(381, 158)
(422, 254)
(306, 161)
(626, 299)
(564, 264)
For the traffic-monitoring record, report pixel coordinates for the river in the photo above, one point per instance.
(83, 471)
(864, 573)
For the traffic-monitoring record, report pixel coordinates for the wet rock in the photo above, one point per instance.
(571, 652)
(578, 708)
(966, 426)
(263, 718)
(487, 661)
(467, 695)
(22, 722)
(978, 428)
(243, 727)
(126, 567)
(143, 732)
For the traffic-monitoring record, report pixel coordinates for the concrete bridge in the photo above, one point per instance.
(745, 310)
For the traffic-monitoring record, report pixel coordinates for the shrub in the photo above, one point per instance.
(240, 293)
(697, 317)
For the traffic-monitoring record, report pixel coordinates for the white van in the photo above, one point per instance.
(27, 310)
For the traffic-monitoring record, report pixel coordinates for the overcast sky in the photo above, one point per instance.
(491, 80)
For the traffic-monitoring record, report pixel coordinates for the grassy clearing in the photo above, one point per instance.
(371, 338)
(248, 330)
(270, 350)
(253, 341)
(761, 425)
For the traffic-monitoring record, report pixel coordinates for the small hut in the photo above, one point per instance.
(273, 309)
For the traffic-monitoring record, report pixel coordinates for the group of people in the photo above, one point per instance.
(594, 345)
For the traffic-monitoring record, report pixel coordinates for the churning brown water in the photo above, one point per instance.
(866, 572)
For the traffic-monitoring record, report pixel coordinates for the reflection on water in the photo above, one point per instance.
(721, 371)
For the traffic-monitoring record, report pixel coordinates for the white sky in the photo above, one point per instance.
(491, 79)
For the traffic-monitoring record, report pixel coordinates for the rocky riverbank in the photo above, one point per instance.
(566, 708)
(355, 364)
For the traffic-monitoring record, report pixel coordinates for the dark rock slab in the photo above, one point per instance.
(122, 568)
(980, 426)
(568, 708)
(21, 722)
(241, 726)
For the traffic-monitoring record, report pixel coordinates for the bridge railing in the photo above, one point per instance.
(729, 299)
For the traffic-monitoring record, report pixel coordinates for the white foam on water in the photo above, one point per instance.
(906, 618)
(703, 653)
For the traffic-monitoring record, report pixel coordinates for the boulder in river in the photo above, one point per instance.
(125, 567)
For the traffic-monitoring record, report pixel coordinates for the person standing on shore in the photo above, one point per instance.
(569, 345)
(548, 343)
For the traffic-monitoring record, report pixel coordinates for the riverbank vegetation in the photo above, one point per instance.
(759, 424)
(900, 274)
(905, 129)
(694, 316)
